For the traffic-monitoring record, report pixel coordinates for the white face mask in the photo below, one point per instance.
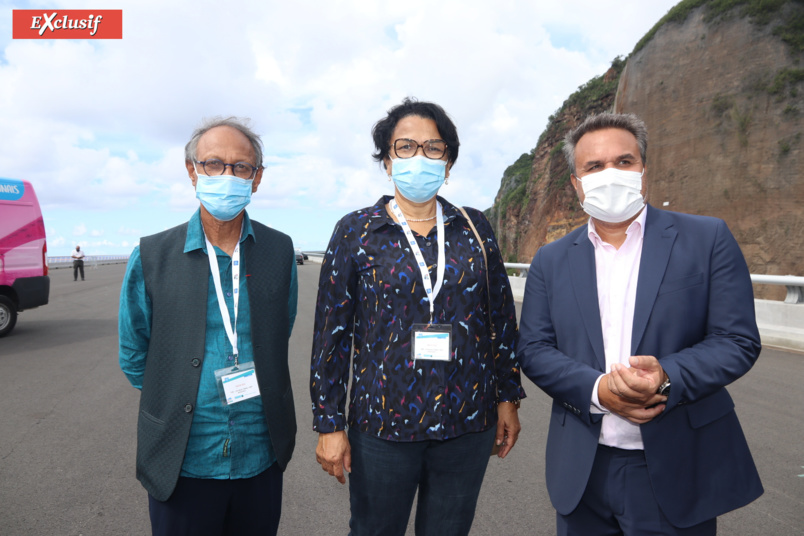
(612, 195)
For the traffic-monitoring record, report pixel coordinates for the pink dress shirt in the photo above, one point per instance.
(617, 273)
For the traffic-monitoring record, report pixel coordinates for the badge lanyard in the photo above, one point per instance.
(216, 277)
(431, 291)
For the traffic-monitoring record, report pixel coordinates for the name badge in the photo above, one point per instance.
(237, 383)
(432, 342)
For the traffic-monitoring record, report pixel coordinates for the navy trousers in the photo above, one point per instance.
(386, 475)
(619, 501)
(209, 507)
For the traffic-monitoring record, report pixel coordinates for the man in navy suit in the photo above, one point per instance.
(634, 324)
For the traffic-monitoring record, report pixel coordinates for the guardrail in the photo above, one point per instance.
(91, 261)
(794, 284)
(521, 267)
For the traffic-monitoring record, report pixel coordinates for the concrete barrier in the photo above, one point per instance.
(518, 286)
(781, 325)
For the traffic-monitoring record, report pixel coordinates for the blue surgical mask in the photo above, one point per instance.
(418, 178)
(224, 196)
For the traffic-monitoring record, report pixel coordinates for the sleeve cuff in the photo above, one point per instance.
(595, 406)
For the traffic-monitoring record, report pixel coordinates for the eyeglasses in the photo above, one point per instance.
(434, 149)
(241, 170)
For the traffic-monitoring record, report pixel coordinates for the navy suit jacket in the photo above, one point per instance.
(695, 313)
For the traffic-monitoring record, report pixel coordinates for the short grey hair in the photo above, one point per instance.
(628, 122)
(241, 124)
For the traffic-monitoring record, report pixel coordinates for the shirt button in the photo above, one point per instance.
(230, 357)
(231, 423)
(188, 408)
(196, 361)
(229, 294)
(427, 244)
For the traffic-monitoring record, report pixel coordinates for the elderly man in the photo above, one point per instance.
(206, 310)
(634, 324)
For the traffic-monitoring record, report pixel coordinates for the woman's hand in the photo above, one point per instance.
(508, 427)
(335, 454)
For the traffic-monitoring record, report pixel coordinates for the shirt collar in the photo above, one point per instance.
(378, 216)
(195, 232)
(637, 226)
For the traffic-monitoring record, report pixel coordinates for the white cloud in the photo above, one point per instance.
(99, 127)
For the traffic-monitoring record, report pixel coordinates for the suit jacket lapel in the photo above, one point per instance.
(656, 247)
(584, 282)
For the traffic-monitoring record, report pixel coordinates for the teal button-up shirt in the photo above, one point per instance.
(226, 441)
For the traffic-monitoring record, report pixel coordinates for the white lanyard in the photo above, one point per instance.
(417, 253)
(216, 277)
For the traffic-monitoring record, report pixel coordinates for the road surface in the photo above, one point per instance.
(68, 425)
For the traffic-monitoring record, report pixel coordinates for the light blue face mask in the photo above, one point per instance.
(224, 196)
(418, 178)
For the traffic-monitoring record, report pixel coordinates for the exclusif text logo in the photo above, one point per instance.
(68, 24)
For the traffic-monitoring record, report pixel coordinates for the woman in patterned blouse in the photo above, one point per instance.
(404, 296)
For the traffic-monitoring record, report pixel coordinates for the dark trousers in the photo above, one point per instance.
(78, 266)
(619, 500)
(386, 474)
(208, 507)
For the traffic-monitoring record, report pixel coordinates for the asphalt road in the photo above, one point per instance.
(68, 424)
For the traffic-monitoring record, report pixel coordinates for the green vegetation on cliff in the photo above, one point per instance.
(791, 31)
(586, 98)
(516, 177)
(785, 78)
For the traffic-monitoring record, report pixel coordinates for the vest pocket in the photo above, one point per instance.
(148, 417)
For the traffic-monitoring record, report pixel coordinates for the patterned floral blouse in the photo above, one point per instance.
(370, 293)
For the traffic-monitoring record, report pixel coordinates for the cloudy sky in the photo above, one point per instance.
(99, 126)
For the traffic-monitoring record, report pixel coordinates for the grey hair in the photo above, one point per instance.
(241, 124)
(628, 122)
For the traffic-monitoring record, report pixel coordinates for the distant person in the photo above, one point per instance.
(634, 324)
(78, 263)
(204, 308)
(419, 295)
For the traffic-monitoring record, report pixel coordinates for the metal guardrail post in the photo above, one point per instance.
(794, 294)
(521, 267)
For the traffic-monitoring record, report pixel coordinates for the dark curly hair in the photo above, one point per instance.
(384, 128)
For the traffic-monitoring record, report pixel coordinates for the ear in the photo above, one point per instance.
(645, 183)
(256, 180)
(191, 171)
(449, 166)
(576, 184)
(388, 165)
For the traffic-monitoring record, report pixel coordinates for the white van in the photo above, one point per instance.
(24, 282)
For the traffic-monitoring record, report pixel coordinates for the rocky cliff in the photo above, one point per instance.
(719, 85)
